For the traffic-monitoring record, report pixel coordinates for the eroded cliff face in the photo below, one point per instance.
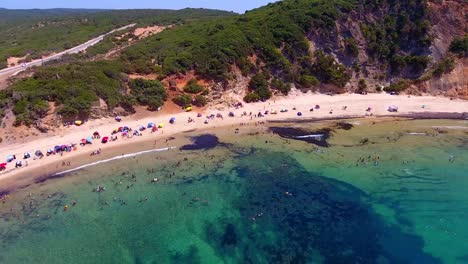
(453, 84)
(448, 19)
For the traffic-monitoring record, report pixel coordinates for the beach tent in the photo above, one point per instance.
(150, 125)
(27, 155)
(10, 158)
(105, 139)
(78, 122)
(172, 120)
(161, 125)
(38, 153)
(89, 140)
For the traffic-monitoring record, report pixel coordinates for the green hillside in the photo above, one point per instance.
(37, 32)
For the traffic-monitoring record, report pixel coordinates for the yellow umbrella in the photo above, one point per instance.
(188, 109)
(78, 122)
(161, 125)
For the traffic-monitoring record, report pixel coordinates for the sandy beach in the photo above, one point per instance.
(331, 107)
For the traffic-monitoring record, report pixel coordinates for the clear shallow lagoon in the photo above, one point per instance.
(383, 192)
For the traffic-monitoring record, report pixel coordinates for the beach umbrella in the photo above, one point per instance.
(105, 139)
(50, 151)
(231, 114)
(126, 128)
(38, 153)
(172, 120)
(120, 129)
(154, 129)
(64, 147)
(299, 114)
(118, 118)
(89, 140)
(3, 166)
(96, 133)
(27, 155)
(83, 141)
(57, 148)
(188, 109)
(10, 158)
(141, 128)
(161, 125)
(150, 125)
(78, 122)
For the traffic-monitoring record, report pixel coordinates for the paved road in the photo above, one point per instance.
(7, 72)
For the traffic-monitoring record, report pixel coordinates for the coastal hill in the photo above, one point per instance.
(330, 46)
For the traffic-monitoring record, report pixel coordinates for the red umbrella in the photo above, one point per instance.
(96, 133)
(105, 139)
(3, 164)
(83, 141)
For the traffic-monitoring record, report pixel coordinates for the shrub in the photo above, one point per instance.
(445, 65)
(362, 86)
(398, 86)
(200, 100)
(329, 71)
(183, 100)
(193, 87)
(460, 46)
(259, 85)
(308, 81)
(252, 97)
(351, 47)
(149, 92)
(277, 84)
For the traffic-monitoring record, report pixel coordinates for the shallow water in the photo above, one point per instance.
(378, 194)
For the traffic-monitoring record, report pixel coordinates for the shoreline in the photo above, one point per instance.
(439, 108)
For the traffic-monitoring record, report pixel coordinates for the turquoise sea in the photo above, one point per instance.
(380, 191)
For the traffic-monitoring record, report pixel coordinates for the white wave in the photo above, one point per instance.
(311, 136)
(417, 134)
(114, 158)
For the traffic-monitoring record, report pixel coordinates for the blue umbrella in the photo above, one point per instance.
(57, 148)
(172, 120)
(10, 158)
(150, 125)
(90, 140)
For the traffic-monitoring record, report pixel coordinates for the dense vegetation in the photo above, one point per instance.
(35, 32)
(274, 33)
(400, 37)
(148, 92)
(74, 88)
